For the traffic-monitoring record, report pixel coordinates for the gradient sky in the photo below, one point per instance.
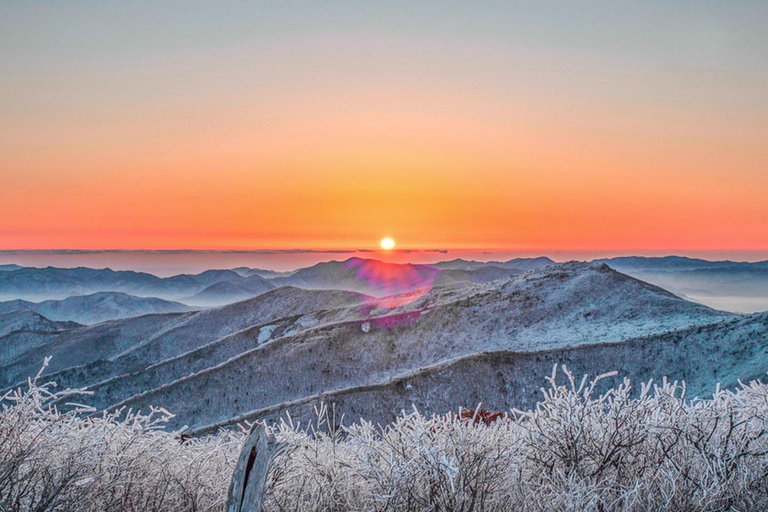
(571, 125)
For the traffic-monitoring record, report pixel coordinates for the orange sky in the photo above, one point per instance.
(336, 137)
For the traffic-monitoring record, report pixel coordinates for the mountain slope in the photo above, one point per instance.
(16, 305)
(217, 352)
(551, 308)
(30, 321)
(21, 331)
(16, 343)
(702, 356)
(109, 349)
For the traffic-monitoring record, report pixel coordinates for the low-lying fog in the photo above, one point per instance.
(734, 304)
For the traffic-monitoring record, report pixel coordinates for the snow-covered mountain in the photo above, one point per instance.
(31, 321)
(21, 331)
(112, 348)
(450, 337)
(16, 305)
(553, 308)
(723, 352)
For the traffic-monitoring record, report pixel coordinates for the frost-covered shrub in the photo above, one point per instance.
(124, 461)
(578, 450)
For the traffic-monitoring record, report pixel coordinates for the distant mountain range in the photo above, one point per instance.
(517, 264)
(233, 290)
(32, 283)
(740, 286)
(95, 308)
(219, 287)
(675, 263)
(267, 274)
(381, 279)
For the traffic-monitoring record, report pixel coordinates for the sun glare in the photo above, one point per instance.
(387, 244)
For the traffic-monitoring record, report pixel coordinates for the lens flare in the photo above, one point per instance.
(387, 244)
(391, 284)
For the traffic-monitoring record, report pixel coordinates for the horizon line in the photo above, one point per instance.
(401, 249)
(530, 253)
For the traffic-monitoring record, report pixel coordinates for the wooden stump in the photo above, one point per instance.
(246, 490)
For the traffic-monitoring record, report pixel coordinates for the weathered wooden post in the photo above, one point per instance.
(246, 491)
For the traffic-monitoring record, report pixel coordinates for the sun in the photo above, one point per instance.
(387, 244)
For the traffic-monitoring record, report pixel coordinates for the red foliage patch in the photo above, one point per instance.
(486, 417)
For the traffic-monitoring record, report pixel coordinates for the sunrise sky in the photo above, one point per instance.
(630, 126)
